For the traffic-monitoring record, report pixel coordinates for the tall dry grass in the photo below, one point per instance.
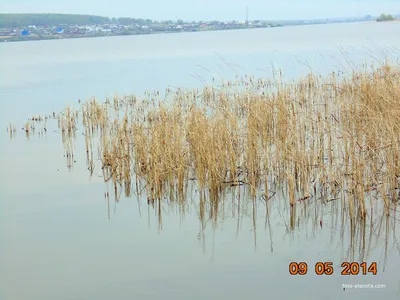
(336, 137)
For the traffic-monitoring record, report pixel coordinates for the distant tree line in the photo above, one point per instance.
(130, 21)
(384, 17)
(24, 20)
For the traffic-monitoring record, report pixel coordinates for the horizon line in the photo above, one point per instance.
(85, 14)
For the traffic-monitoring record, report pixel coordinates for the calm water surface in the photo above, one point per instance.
(56, 239)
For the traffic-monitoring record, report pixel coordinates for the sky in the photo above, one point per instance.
(190, 10)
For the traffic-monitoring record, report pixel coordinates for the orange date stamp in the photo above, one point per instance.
(327, 268)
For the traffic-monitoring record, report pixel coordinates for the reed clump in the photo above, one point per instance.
(335, 136)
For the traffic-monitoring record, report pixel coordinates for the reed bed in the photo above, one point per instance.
(334, 137)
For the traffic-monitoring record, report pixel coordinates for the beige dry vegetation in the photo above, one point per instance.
(11, 130)
(338, 136)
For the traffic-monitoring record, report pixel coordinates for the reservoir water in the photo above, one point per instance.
(60, 238)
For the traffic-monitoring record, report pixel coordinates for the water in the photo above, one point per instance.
(57, 241)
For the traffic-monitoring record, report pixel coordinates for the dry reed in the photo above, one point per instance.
(335, 136)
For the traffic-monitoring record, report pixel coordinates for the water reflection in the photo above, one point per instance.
(356, 238)
(359, 217)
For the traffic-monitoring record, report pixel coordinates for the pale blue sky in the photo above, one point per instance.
(207, 9)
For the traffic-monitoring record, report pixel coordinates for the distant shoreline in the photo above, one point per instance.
(33, 37)
(67, 37)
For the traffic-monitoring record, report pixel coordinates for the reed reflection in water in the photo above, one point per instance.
(322, 153)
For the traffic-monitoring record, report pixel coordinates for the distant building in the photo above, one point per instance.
(25, 32)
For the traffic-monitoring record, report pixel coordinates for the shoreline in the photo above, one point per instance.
(36, 38)
(67, 37)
